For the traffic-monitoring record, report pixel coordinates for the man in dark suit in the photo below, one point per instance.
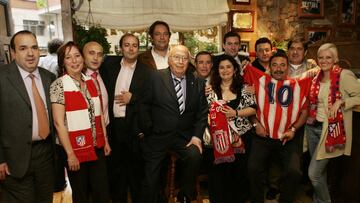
(173, 114)
(231, 46)
(124, 78)
(26, 138)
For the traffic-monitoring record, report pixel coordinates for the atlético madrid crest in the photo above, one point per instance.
(221, 141)
(80, 140)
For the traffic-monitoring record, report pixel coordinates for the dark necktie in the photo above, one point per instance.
(179, 95)
(97, 84)
(43, 121)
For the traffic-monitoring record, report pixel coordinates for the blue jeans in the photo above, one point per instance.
(317, 168)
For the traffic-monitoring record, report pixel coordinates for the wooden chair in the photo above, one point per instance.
(170, 187)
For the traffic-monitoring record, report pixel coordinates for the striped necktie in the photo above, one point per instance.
(179, 95)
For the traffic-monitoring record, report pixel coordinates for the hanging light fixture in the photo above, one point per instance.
(89, 21)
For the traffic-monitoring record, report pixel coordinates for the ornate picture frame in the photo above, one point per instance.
(242, 21)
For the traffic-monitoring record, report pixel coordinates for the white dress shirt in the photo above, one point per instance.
(123, 82)
(160, 61)
(39, 85)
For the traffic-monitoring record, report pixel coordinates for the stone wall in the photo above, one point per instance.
(279, 20)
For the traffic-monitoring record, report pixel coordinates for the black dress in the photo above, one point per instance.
(228, 182)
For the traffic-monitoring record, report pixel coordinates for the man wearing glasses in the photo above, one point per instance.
(173, 118)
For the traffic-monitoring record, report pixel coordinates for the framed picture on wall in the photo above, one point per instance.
(318, 34)
(347, 12)
(244, 46)
(311, 8)
(242, 21)
(241, 1)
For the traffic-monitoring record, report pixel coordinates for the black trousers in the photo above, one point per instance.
(38, 183)
(60, 164)
(155, 149)
(125, 164)
(274, 173)
(228, 182)
(288, 154)
(90, 181)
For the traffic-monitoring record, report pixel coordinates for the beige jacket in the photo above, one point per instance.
(350, 90)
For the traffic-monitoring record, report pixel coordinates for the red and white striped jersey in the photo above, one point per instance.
(279, 102)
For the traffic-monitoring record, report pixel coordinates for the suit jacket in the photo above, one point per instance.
(159, 107)
(16, 118)
(148, 59)
(109, 72)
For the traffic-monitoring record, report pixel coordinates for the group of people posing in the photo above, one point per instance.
(112, 121)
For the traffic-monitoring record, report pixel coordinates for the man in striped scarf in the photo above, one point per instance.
(282, 109)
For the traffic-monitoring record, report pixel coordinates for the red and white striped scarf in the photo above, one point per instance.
(226, 141)
(335, 139)
(78, 121)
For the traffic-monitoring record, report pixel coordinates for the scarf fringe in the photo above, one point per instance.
(225, 159)
(330, 149)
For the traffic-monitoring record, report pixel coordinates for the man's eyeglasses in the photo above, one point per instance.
(178, 57)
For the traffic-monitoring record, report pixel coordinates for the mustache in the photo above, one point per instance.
(278, 72)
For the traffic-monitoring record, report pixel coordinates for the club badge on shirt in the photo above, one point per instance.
(80, 140)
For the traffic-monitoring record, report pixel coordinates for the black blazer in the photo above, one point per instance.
(109, 72)
(16, 118)
(159, 108)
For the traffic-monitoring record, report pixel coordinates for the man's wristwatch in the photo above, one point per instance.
(254, 125)
(293, 129)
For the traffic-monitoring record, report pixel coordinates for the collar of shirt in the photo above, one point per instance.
(158, 55)
(25, 74)
(183, 78)
(132, 66)
(161, 62)
(295, 67)
(89, 72)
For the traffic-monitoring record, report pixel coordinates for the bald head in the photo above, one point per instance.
(93, 55)
(179, 57)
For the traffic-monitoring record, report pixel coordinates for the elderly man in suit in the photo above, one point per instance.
(173, 114)
(26, 138)
(124, 78)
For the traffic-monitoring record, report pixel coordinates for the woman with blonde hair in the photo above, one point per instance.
(334, 92)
